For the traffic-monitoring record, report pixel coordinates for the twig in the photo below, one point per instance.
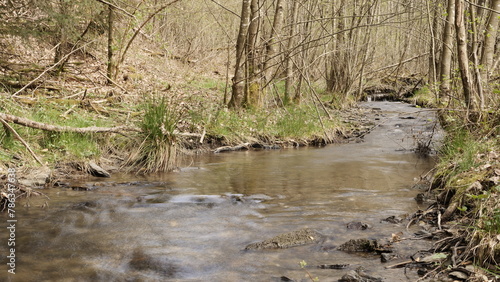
(116, 7)
(400, 264)
(483, 7)
(64, 115)
(203, 135)
(439, 220)
(18, 137)
(112, 81)
(227, 9)
(122, 57)
(205, 130)
(397, 64)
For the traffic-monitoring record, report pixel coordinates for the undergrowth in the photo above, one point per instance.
(194, 107)
(469, 169)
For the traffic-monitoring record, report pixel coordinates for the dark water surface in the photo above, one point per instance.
(194, 224)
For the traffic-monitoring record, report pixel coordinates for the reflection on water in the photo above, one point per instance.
(194, 224)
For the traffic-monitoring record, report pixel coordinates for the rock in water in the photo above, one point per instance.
(141, 261)
(358, 276)
(357, 225)
(287, 240)
(97, 171)
(359, 245)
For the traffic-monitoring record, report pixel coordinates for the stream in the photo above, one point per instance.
(193, 225)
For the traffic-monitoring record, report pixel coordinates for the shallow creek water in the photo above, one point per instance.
(193, 225)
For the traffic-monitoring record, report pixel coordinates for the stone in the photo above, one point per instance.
(358, 276)
(357, 225)
(385, 257)
(459, 275)
(287, 240)
(96, 170)
(359, 245)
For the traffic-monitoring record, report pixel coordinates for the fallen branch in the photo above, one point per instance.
(398, 64)
(48, 127)
(112, 81)
(243, 146)
(18, 137)
(116, 7)
(400, 264)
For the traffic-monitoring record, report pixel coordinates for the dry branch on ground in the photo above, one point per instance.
(49, 127)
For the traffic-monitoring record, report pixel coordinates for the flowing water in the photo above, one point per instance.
(193, 225)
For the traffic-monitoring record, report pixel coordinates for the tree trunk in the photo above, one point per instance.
(488, 51)
(271, 45)
(288, 57)
(432, 21)
(478, 81)
(252, 97)
(463, 61)
(302, 62)
(365, 45)
(110, 44)
(238, 87)
(446, 51)
(62, 46)
(57, 128)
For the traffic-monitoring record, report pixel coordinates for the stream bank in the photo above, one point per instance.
(195, 223)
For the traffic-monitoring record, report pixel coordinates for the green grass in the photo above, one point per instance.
(298, 122)
(62, 145)
(204, 83)
(279, 123)
(491, 222)
(54, 146)
(461, 149)
(425, 96)
(158, 149)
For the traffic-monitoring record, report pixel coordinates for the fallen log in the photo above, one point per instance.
(49, 127)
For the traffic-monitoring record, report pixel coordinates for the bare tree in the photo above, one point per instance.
(272, 43)
(238, 86)
(289, 80)
(447, 49)
(110, 44)
(462, 55)
(252, 94)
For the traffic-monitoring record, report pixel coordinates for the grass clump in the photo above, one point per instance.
(158, 149)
